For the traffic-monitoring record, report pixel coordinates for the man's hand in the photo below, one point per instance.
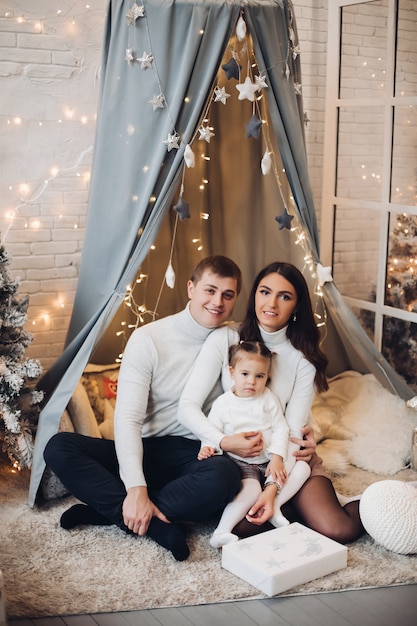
(247, 445)
(138, 510)
(307, 445)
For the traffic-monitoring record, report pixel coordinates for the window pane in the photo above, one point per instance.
(366, 320)
(399, 347)
(404, 155)
(406, 65)
(401, 281)
(364, 50)
(360, 148)
(356, 252)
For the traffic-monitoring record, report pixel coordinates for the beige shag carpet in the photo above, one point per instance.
(49, 571)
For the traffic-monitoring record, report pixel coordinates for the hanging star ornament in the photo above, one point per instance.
(135, 12)
(172, 141)
(189, 156)
(205, 133)
(261, 82)
(220, 95)
(183, 209)
(284, 220)
(157, 102)
(247, 90)
(324, 274)
(232, 69)
(129, 56)
(253, 127)
(145, 61)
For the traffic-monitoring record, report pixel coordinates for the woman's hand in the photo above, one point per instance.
(138, 510)
(247, 444)
(307, 445)
(263, 508)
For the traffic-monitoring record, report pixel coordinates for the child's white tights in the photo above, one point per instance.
(248, 495)
(296, 479)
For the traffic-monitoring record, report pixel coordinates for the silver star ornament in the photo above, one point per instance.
(205, 133)
(135, 12)
(172, 141)
(220, 95)
(158, 102)
(145, 61)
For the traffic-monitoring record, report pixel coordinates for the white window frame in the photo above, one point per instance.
(384, 207)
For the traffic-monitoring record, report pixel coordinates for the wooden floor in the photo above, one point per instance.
(387, 606)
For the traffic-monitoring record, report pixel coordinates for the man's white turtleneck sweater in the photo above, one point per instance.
(156, 365)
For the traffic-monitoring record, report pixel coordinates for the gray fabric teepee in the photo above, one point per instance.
(162, 59)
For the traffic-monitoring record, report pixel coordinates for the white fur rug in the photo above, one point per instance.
(49, 571)
(359, 422)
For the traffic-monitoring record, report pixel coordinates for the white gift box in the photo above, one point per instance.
(280, 559)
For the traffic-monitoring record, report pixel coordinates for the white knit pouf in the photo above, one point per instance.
(388, 510)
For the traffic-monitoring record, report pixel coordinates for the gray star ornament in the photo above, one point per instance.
(183, 209)
(284, 220)
(253, 127)
(232, 69)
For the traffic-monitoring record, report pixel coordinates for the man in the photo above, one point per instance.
(149, 479)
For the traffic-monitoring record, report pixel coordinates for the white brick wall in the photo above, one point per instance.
(50, 57)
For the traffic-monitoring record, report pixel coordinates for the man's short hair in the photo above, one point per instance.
(220, 265)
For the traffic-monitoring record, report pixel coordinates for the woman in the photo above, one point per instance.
(279, 314)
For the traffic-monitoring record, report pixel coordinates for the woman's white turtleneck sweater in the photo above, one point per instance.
(156, 365)
(291, 380)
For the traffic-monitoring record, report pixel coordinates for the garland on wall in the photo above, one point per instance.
(241, 67)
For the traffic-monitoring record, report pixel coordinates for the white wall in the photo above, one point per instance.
(50, 55)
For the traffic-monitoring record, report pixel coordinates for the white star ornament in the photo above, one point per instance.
(324, 274)
(247, 90)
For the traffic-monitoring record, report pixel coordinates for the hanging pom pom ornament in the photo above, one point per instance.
(170, 276)
(189, 156)
(241, 29)
(266, 163)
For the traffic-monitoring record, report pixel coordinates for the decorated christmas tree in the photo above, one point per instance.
(400, 336)
(19, 400)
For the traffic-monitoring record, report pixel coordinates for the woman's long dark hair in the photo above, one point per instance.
(302, 331)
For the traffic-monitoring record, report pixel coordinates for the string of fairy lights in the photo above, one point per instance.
(250, 85)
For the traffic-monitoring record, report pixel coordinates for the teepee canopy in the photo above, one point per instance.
(168, 85)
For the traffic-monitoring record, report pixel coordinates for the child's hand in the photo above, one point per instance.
(276, 469)
(205, 453)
